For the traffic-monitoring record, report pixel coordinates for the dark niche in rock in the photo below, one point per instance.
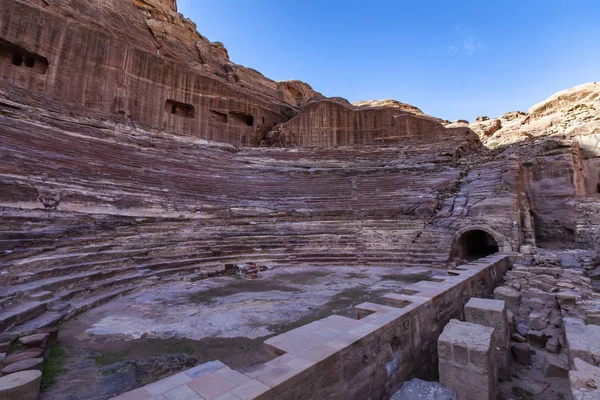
(180, 109)
(20, 57)
(241, 118)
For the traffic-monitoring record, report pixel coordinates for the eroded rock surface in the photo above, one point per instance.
(137, 157)
(573, 112)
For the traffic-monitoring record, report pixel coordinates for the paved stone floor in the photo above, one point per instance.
(229, 307)
(136, 339)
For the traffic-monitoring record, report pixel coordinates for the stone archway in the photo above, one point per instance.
(477, 241)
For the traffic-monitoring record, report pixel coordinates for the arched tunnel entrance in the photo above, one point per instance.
(474, 244)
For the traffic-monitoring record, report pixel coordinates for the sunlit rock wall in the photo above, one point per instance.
(110, 58)
(335, 122)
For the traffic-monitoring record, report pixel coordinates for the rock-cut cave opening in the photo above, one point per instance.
(20, 57)
(475, 244)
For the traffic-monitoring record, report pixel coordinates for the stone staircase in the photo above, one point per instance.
(42, 285)
(105, 209)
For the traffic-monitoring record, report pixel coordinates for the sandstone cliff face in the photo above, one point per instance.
(389, 103)
(571, 112)
(558, 144)
(138, 61)
(335, 122)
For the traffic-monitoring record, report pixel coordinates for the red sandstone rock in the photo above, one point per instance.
(521, 352)
(37, 340)
(23, 355)
(23, 385)
(485, 128)
(24, 365)
(52, 331)
(117, 157)
(154, 69)
(335, 122)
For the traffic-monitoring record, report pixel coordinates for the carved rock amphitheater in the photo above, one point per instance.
(199, 231)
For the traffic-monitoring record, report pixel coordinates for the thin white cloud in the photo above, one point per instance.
(468, 46)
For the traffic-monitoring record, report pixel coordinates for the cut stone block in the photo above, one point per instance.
(23, 355)
(583, 341)
(522, 353)
(204, 369)
(167, 384)
(511, 296)
(24, 365)
(467, 360)
(24, 385)
(182, 392)
(211, 385)
(555, 366)
(585, 381)
(38, 340)
(53, 332)
(137, 394)
(493, 313)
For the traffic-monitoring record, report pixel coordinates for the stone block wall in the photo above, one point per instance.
(370, 357)
(468, 360)
(588, 222)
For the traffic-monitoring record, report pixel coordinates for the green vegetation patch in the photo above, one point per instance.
(318, 273)
(238, 286)
(353, 294)
(54, 366)
(105, 359)
(409, 278)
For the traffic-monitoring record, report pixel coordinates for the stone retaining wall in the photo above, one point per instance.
(339, 357)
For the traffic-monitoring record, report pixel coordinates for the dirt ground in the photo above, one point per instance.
(158, 331)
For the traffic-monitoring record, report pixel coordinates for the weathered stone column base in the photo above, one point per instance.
(467, 360)
(24, 385)
(493, 313)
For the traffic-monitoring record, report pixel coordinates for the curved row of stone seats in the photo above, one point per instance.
(98, 168)
(126, 258)
(219, 242)
(102, 209)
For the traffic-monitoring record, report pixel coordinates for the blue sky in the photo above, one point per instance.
(453, 59)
